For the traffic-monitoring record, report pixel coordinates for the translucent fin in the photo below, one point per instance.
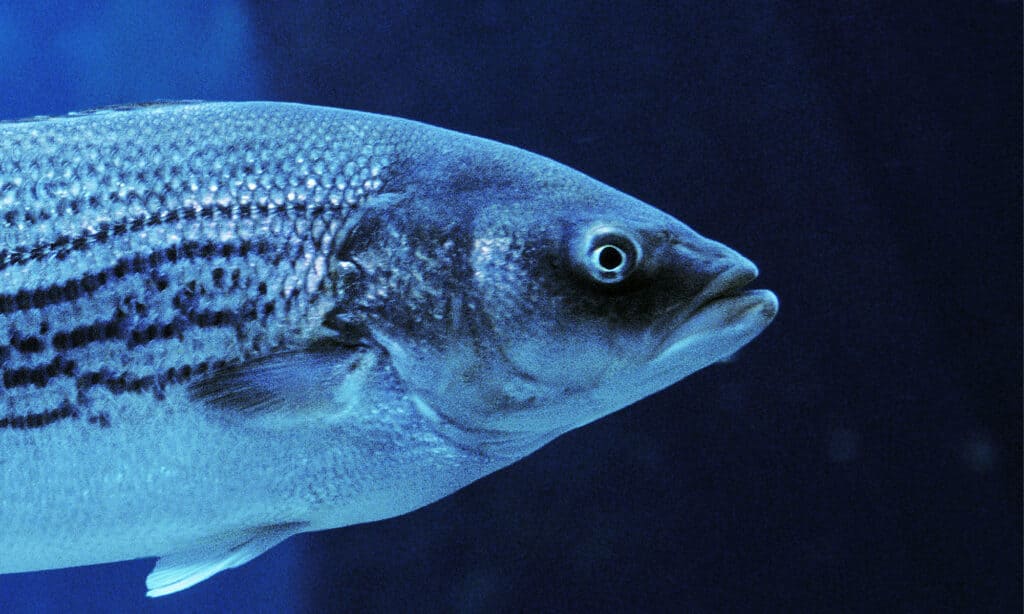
(114, 108)
(181, 570)
(288, 387)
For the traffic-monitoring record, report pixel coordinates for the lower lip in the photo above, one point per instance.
(763, 299)
(730, 319)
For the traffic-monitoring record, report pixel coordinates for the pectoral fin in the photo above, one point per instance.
(281, 389)
(181, 570)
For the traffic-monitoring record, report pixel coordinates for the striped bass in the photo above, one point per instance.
(222, 324)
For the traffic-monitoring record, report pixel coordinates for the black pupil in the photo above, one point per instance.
(610, 257)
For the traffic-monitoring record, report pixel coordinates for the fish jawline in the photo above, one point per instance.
(717, 329)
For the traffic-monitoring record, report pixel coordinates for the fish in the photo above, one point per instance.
(226, 323)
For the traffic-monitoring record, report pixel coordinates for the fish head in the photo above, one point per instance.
(528, 299)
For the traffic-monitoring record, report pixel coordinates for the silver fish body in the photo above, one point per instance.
(225, 323)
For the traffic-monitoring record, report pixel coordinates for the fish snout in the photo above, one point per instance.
(713, 271)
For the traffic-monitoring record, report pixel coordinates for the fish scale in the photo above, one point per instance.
(108, 221)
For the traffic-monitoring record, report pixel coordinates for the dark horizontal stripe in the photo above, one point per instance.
(120, 383)
(101, 330)
(64, 245)
(26, 345)
(40, 419)
(117, 328)
(221, 317)
(38, 375)
(125, 382)
(107, 330)
(79, 336)
(73, 289)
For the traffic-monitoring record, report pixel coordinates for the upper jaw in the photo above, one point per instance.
(715, 310)
(727, 284)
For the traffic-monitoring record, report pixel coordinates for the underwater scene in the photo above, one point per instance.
(510, 306)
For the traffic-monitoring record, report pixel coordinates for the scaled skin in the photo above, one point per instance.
(373, 313)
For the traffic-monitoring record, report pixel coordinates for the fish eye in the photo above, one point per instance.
(611, 255)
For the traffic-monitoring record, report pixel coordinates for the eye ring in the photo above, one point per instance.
(611, 255)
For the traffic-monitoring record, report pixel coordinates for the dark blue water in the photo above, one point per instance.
(863, 455)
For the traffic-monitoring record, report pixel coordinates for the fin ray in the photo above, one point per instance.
(113, 108)
(180, 570)
(289, 386)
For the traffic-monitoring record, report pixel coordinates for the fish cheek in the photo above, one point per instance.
(549, 329)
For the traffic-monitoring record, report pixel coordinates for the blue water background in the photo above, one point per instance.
(863, 455)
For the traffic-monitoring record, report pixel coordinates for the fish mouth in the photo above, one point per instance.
(727, 285)
(724, 313)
